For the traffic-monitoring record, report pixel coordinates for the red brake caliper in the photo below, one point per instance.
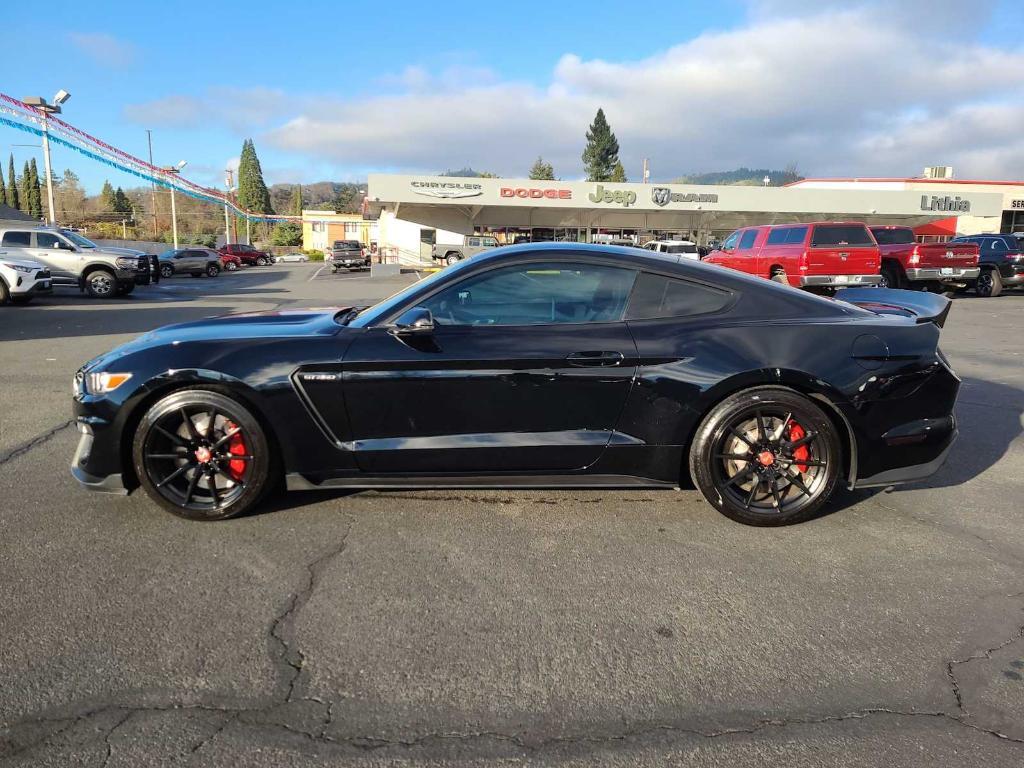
(236, 446)
(803, 452)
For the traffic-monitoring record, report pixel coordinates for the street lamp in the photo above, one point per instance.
(174, 169)
(228, 178)
(48, 109)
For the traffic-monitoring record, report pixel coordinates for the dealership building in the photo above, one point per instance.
(414, 212)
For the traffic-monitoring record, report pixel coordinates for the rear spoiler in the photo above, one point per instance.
(923, 307)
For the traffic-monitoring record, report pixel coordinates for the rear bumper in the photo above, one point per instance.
(837, 281)
(943, 273)
(909, 474)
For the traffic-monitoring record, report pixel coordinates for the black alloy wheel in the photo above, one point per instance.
(767, 456)
(166, 270)
(890, 278)
(202, 455)
(989, 284)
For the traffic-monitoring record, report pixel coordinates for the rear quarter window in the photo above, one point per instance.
(840, 235)
(17, 239)
(657, 296)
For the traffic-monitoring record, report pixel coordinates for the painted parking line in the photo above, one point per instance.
(317, 273)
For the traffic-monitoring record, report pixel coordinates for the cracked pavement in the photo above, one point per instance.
(513, 628)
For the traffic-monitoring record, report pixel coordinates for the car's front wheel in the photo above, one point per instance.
(452, 258)
(100, 284)
(202, 455)
(261, 261)
(230, 266)
(766, 456)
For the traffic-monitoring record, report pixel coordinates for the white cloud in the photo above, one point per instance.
(838, 88)
(103, 48)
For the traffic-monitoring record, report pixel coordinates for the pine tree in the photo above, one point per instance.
(295, 206)
(122, 204)
(24, 188)
(602, 150)
(252, 190)
(36, 198)
(618, 173)
(12, 186)
(542, 170)
(3, 190)
(107, 196)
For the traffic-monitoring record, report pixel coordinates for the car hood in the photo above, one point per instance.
(20, 262)
(107, 250)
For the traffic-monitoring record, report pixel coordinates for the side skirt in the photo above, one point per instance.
(298, 482)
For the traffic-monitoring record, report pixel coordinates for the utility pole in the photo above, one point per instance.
(175, 170)
(124, 229)
(227, 218)
(156, 224)
(48, 109)
(647, 172)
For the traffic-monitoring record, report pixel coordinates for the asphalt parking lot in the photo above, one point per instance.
(577, 628)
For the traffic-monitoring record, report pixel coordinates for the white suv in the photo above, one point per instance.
(21, 280)
(685, 249)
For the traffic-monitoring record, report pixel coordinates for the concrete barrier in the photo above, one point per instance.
(385, 270)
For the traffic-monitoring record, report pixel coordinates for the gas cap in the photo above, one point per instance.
(869, 351)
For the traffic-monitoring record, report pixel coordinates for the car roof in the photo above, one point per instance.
(673, 242)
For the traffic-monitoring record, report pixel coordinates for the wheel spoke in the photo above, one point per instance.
(795, 481)
(802, 441)
(173, 475)
(740, 476)
(212, 416)
(166, 455)
(801, 462)
(234, 480)
(775, 495)
(733, 456)
(740, 436)
(170, 435)
(192, 486)
(234, 457)
(782, 429)
(190, 425)
(753, 492)
(211, 478)
(762, 432)
(227, 436)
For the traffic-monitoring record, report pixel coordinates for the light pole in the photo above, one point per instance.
(48, 109)
(766, 181)
(227, 219)
(175, 170)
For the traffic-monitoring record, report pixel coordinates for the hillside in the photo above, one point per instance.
(743, 177)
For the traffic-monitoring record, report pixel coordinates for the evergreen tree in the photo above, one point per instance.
(618, 173)
(602, 150)
(12, 186)
(252, 190)
(36, 198)
(122, 204)
(295, 206)
(3, 189)
(107, 196)
(25, 189)
(542, 170)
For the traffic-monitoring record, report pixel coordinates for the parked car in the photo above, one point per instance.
(247, 254)
(1001, 260)
(627, 370)
(20, 281)
(347, 254)
(907, 263)
(820, 255)
(684, 248)
(472, 245)
(231, 261)
(98, 272)
(298, 258)
(190, 261)
(88, 245)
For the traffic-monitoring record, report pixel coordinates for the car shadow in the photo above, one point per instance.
(24, 324)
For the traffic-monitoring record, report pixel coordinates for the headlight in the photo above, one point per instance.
(125, 262)
(20, 267)
(102, 383)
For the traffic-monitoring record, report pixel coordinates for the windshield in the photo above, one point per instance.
(681, 248)
(832, 235)
(77, 239)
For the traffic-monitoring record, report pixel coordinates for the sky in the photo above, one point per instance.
(333, 90)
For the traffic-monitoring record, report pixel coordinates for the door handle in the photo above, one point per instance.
(595, 359)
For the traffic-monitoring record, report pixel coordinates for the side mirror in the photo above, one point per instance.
(62, 246)
(414, 322)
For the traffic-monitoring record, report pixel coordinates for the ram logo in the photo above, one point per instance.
(661, 195)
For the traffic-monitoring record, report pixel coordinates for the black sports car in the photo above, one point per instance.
(534, 366)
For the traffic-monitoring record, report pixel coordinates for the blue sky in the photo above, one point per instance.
(337, 90)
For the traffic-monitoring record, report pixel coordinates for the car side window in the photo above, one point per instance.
(747, 241)
(17, 239)
(778, 236)
(657, 296)
(998, 245)
(796, 236)
(535, 294)
(730, 241)
(47, 240)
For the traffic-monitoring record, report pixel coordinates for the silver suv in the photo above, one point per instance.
(102, 274)
(193, 261)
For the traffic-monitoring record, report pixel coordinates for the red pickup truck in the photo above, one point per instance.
(909, 264)
(246, 253)
(822, 255)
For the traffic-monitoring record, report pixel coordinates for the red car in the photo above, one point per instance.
(231, 261)
(816, 255)
(246, 254)
(907, 263)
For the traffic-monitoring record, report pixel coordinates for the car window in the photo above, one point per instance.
(778, 236)
(680, 248)
(747, 241)
(998, 244)
(893, 236)
(16, 239)
(796, 236)
(832, 235)
(535, 294)
(658, 296)
(473, 241)
(488, 241)
(47, 240)
(730, 241)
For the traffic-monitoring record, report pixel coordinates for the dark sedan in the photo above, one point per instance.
(536, 366)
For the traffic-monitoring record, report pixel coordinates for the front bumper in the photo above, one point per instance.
(954, 274)
(837, 281)
(42, 287)
(82, 465)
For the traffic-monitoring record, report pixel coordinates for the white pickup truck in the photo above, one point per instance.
(473, 244)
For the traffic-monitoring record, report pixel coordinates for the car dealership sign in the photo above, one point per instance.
(663, 196)
(532, 193)
(944, 204)
(623, 197)
(447, 189)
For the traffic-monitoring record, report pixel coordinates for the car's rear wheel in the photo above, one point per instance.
(230, 266)
(166, 270)
(212, 270)
(779, 276)
(101, 284)
(452, 258)
(202, 455)
(766, 456)
(990, 284)
(890, 277)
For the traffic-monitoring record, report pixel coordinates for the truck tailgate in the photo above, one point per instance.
(843, 260)
(947, 255)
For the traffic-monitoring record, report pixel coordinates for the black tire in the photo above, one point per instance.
(452, 258)
(231, 266)
(5, 295)
(101, 284)
(212, 270)
(166, 270)
(779, 276)
(744, 471)
(261, 261)
(891, 277)
(23, 299)
(989, 284)
(176, 464)
(125, 289)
